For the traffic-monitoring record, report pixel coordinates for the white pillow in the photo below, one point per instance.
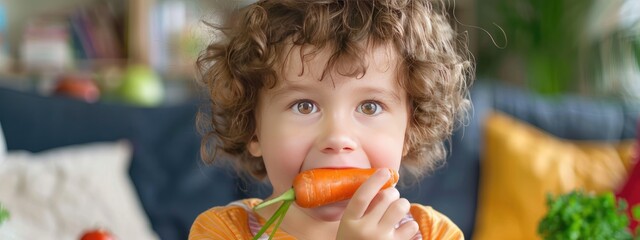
(61, 193)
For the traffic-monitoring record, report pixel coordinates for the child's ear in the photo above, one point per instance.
(254, 147)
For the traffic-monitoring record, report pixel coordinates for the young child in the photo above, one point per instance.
(298, 85)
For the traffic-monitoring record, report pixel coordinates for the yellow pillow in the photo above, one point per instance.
(521, 164)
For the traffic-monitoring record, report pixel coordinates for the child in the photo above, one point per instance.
(299, 85)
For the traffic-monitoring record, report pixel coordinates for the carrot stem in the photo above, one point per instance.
(286, 196)
(286, 205)
(280, 212)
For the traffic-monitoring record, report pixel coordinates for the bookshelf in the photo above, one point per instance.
(47, 41)
(100, 34)
(116, 32)
(101, 38)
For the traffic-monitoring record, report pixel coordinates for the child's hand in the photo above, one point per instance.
(373, 214)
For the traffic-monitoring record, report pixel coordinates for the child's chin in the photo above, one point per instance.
(330, 212)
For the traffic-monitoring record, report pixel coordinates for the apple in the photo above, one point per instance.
(97, 234)
(140, 85)
(77, 86)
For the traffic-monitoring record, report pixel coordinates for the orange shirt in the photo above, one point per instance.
(232, 222)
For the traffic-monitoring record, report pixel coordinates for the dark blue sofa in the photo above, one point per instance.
(174, 186)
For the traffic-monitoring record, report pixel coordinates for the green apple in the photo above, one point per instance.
(141, 86)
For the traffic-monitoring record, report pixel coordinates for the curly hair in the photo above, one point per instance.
(434, 63)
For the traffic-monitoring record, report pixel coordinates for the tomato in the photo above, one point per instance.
(97, 234)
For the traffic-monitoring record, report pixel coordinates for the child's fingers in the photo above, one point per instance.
(362, 197)
(397, 210)
(381, 203)
(407, 230)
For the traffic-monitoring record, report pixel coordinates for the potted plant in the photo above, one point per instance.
(578, 215)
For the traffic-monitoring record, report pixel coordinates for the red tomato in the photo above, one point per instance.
(97, 234)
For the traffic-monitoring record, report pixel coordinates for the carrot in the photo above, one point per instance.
(317, 187)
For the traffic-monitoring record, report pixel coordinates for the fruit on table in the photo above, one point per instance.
(97, 234)
(141, 86)
(77, 86)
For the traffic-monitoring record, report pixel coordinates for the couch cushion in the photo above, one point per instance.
(522, 164)
(568, 116)
(173, 185)
(63, 192)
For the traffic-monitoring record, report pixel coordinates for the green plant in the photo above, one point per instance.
(577, 215)
(541, 34)
(4, 214)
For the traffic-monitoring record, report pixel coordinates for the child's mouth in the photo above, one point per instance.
(337, 167)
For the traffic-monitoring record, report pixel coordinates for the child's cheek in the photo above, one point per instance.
(283, 158)
(384, 155)
(384, 149)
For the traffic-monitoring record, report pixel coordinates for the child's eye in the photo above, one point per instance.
(371, 108)
(304, 107)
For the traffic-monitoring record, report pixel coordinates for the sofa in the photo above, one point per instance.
(174, 186)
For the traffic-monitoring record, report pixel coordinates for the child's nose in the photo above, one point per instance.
(337, 137)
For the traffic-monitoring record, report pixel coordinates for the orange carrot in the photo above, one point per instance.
(317, 187)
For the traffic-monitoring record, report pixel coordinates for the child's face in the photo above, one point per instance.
(346, 122)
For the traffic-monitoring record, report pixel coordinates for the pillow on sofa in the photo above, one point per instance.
(60, 193)
(520, 165)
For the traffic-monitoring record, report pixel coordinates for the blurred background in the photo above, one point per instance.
(586, 47)
(564, 75)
